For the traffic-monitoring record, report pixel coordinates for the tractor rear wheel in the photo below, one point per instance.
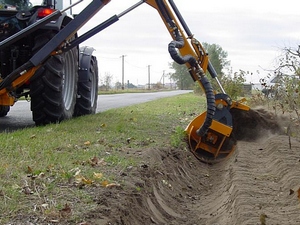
(53, 88)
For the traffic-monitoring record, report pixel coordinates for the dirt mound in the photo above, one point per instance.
(258, 184)
(162, 190)
(255, 123)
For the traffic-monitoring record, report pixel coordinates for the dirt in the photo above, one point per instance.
(258, 185)
(252, 124)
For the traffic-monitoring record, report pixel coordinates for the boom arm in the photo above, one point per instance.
(187, 48)
(191, 53)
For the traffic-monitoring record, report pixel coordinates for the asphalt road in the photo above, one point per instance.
(20, 116)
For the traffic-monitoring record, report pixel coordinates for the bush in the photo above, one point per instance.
(233, 86)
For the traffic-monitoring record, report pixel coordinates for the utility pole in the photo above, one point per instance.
(149, 77)
(163, 79)
(123, 56)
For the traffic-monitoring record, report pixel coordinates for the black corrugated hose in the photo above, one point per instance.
(210, 97)
(211, 106)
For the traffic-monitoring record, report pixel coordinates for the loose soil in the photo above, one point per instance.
(258, 185)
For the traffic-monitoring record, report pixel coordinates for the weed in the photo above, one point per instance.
(177, 138)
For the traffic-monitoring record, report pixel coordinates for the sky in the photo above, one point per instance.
(253, 33)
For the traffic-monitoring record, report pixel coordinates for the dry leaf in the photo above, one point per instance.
(98, 175)
(133, 119)
(27, 191)
(66, 211)
(87, 143)
(82, 180)
(299, 193)
(111, 185)
(94, 161)
(45, 205)
(50, 167)
(77, 172)
(104, 183)
(15, 186)
(86, 181)
(29, 170)
(78, 179)
(41, 175)
(102, 162)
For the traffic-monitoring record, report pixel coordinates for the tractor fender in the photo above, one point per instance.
(85, 56)
(58, 23)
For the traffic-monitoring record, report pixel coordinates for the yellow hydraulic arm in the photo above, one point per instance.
(191, 53)
(190, 45)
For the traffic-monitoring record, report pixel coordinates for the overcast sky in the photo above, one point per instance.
(251, 32)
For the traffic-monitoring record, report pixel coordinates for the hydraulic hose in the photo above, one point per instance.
(210, 97)
(177, 44)
(211, 106)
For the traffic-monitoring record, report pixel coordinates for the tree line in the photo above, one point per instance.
(232, 83)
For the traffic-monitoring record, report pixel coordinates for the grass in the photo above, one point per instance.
(45, 169)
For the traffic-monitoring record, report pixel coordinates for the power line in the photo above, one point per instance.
(142, 68)
(107, 58)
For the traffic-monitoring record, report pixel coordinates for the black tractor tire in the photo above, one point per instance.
(4, 109)
(87, 91)
(53, 88)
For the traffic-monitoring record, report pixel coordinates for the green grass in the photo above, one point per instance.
(43, 168)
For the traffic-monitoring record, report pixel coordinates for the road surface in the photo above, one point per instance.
(20, 114)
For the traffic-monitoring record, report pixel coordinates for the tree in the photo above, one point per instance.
(181, 76)
(118, 85)
(234, 86)
(106, 81)
(289, 62)
(286, 88)
(218, 58)
(158, 86)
